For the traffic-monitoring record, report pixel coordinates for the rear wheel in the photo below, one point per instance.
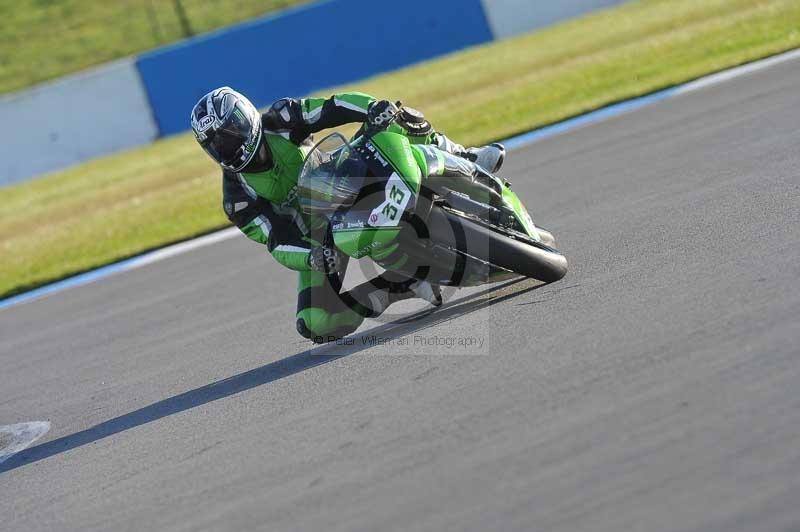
(500, 247)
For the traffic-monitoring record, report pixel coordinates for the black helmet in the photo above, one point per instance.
(228, 127)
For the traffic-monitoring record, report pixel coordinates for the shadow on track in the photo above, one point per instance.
(269, 373)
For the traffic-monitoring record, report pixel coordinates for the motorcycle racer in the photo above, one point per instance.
(261, 156)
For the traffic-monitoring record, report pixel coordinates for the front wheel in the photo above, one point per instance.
(502, 248)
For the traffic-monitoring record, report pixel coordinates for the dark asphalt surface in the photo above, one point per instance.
(655, 388)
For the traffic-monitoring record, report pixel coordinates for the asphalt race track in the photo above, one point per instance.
(656, 387)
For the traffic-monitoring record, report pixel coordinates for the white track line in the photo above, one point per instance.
(732, 73)
(16, 438)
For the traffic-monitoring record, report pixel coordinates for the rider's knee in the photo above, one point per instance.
(316, 327)
(306, 332)
(319, 329)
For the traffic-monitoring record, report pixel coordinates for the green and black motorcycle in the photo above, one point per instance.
(393, 201)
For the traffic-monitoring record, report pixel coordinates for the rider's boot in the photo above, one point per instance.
(427, 291)
(490, 157)
(380, 294)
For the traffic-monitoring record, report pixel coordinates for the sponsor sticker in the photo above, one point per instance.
(376, 154)
(205, 123)
(369, 247)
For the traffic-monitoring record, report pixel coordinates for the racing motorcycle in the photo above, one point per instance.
(384, 199)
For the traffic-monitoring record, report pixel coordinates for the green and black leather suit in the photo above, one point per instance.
(265, 208)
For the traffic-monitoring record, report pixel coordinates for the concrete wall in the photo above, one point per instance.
(73, 119)
(511, 17)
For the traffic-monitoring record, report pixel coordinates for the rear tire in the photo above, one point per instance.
(511, 251)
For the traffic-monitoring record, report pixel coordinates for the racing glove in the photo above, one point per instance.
(324, 259)
(381, 113)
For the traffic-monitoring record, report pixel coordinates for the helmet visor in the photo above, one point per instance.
(232, 144)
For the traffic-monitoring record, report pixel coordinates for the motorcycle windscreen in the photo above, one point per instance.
(330, 181)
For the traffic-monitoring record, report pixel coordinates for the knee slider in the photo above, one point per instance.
(305, 332)
(323, 335)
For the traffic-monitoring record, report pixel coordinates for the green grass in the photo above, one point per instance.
(44, 39)
(121, 205)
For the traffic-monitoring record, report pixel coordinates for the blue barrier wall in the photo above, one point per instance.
(306, 49)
